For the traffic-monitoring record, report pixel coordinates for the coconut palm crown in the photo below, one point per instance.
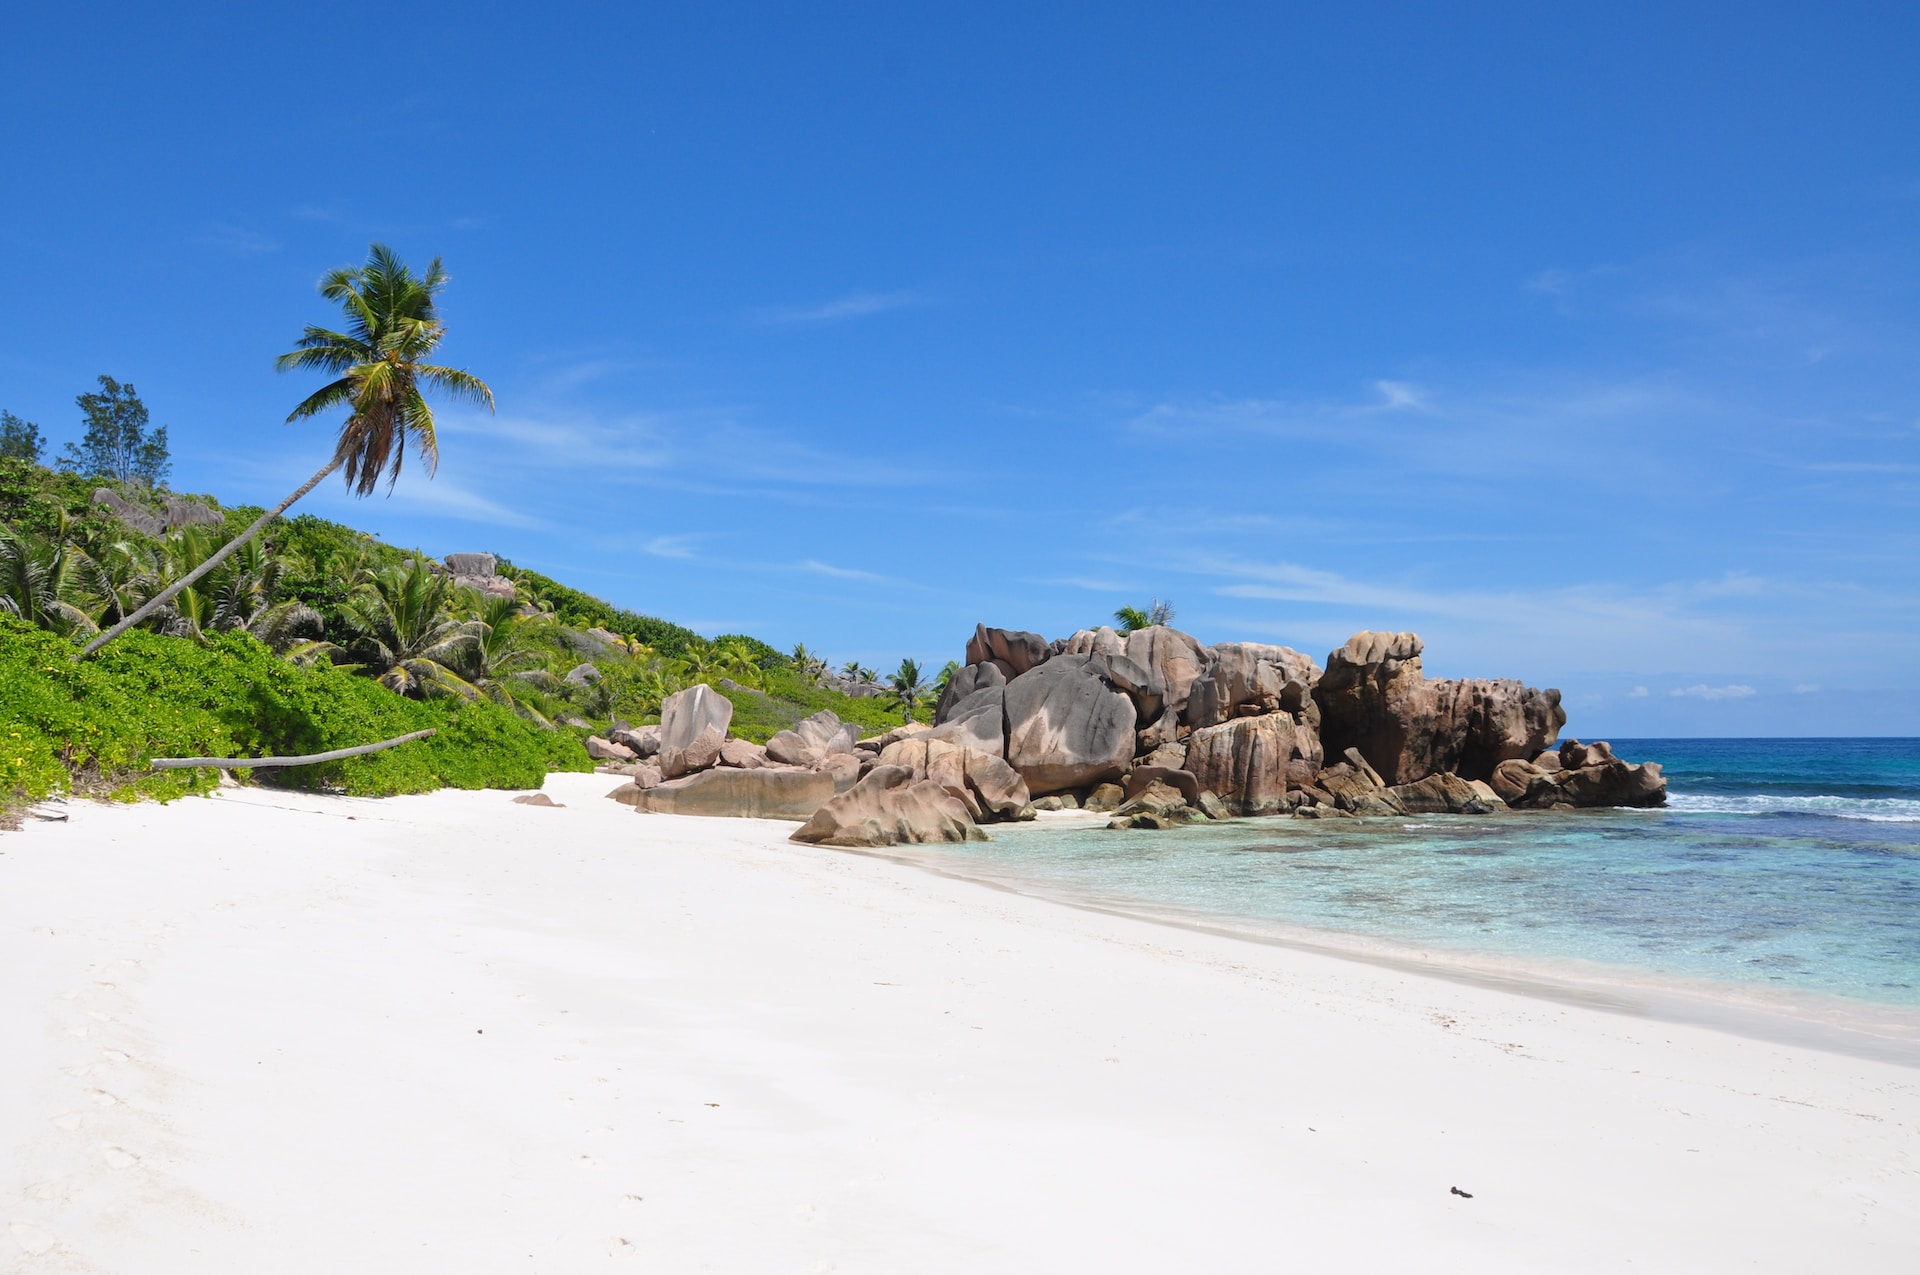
(379, 366)
(391, 326)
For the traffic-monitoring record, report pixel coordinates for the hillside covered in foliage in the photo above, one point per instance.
(317, 636)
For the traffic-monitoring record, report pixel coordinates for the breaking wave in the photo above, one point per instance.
(1872, 809)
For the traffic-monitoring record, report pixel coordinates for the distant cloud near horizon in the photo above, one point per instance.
(1703, 691)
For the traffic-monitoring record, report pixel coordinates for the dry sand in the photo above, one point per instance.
(271, 1033)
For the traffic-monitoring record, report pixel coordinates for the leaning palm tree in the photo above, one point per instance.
(907, 685)
(380, 375)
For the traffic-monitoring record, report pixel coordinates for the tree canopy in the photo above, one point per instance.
(20, 440)
(118, 444)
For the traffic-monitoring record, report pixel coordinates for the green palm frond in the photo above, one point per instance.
(381, 369)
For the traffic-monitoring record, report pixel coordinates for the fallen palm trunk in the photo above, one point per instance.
(250, 763)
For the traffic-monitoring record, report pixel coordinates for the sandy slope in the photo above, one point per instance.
(271, 1033)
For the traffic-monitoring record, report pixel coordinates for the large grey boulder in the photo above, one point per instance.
(890, 807)
(877, 742)
(643, 740)
(1356, 788)
(741, 794)
(813, 740)
(965, 681)
(1066, 728)
(1172, 659)
(1132, 679)
(693, 726)
(1614, 783)
(843, 768)
(979, 721)
(1186, 783)
(477, 571)
(177, 512)
(743, 754)
(983, 781)
(1251, 762)
(1374, 697)
(606, 750)
(1019, 650)
(1606, 782)
(1099, 641)
(1446, 794)
(1251, 678)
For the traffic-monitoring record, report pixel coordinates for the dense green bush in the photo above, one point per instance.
(95, 725)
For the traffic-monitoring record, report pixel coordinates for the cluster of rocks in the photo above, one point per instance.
(1153, 729)
(900, 786)
(176, 512)
(1158, 729)
(476, 571)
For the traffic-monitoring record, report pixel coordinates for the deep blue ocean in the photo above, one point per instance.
(1787, 864)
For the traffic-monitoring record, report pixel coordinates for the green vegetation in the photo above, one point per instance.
(785, 696)
(907, 686)
(20, 440)
(94, 725)
(256, 634)
(392, 326)
(117, 444)
(570, 606)
(1133, 619)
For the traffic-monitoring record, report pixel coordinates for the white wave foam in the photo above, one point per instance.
(1872, 809)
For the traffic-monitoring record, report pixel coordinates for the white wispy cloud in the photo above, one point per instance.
(856, 305)
(701, 449)
(1702, 691)
(1090, 584)
(844, 573)
(1456, 427)
(448, 498)
(670, 546)
(1396, 395)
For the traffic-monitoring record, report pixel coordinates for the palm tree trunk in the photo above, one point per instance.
(165, 595)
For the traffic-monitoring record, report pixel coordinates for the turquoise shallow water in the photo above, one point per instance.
(1791, 865)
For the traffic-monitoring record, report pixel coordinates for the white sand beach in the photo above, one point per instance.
(271, 1032)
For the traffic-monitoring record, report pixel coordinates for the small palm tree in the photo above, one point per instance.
(406, 637)
(1133, 619)
(808, 664)
(41, 581)
(499, 665)
(380, 367)
(736, 661)
(908, 688)
(938, 691)
(854, 670)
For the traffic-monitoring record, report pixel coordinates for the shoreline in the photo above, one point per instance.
(268, 1030)
(1846, 1025)
(1856, 1026)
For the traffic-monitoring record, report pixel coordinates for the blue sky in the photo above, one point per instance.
(1582, 342)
